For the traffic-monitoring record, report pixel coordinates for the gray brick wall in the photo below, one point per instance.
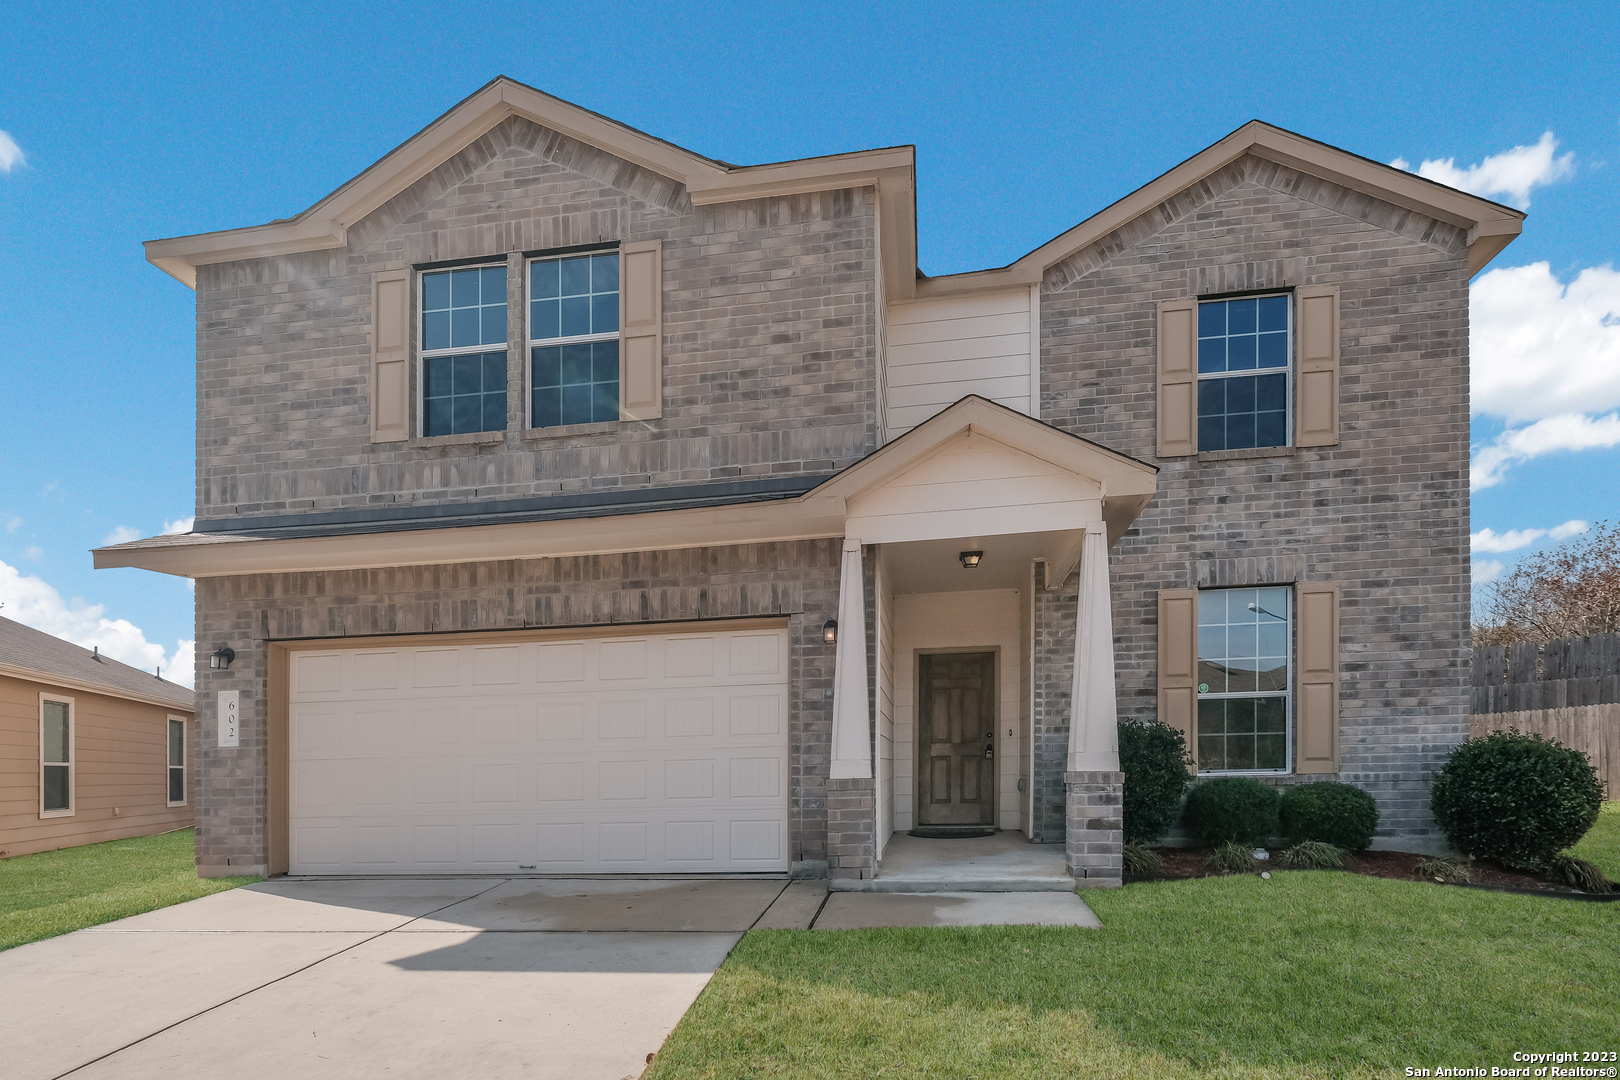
(798, 580)
(769, 339)
(1384, 513)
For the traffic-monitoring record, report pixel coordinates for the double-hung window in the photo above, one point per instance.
(574, 339)
(464, 350)
(1244, 347)
(177, 761)
(1244, 703)
(55, 757)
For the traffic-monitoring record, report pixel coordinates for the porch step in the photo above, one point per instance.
(931, 883)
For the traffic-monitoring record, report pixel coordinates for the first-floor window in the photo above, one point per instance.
(1243, 680)
(56, 756)
(177, 762)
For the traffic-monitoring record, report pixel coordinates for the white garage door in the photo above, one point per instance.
(647, 752)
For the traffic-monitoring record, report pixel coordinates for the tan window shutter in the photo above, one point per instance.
(1317, 710)
(1178, 662)
(390, 355)
(1178, 378)
(1316, 410)
(641, 337)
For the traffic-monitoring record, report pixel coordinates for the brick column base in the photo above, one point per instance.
(1094, 846)
(851, 828)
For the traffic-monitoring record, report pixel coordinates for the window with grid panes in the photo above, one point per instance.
(574, 339)
(464, 350)
(1243, 680)
(1244, 351)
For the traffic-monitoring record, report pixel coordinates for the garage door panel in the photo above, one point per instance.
(640, 753)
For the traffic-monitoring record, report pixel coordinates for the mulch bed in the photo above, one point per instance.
(1183, 863)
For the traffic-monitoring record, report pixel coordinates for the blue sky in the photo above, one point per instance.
(127, 123)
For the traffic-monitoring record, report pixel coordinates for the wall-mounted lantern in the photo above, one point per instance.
(222, 657)
(829, 632)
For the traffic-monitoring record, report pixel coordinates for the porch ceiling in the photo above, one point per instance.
(930, 566)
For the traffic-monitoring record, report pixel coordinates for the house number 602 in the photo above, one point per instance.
(228, 718)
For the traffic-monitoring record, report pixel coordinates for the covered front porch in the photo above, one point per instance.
(974, 709)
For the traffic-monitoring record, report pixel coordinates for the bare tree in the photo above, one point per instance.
(1572, 590)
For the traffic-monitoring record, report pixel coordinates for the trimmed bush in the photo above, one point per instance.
(1334, 813)
(1518, 799)
(1153, 757)
(1231, 808)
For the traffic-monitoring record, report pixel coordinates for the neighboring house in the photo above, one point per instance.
(574, 503)
(90, 749)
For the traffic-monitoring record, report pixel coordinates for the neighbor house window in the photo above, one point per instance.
(55, 756)
(464, 350)
(1244, 347)
(1243, 680)
(177, 762)
(574, 339)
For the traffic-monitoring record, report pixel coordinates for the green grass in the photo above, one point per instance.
(1312, 973)
(1601, 846)
(55, 892)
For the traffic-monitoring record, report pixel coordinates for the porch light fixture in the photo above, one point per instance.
(222, 657)
(970, 559)
(829, 632)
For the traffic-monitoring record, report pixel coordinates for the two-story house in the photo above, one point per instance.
(568, 502)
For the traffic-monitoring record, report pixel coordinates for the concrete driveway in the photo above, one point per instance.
(430, 978)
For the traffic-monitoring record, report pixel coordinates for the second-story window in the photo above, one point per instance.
(1243, 365)
(464, 350)
(574, 339)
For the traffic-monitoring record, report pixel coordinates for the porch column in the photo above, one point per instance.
(851, 728)
(1093, 734)
(1093, 785)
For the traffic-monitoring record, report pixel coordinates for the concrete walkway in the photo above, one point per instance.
(1005, 862)
(427, 978)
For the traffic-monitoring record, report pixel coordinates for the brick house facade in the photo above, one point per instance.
(691, 636)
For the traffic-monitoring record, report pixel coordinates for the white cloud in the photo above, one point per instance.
(1487, 571)
(1539, 347)
(14, 524)
(1512, 172)
(1550, 436)
(11, 154)
(34, 602)
(181, 526)
(33, 551)
(121, 535)
(1487, 541)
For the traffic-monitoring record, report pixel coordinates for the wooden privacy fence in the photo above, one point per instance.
(1566, 689)
(1592, 729)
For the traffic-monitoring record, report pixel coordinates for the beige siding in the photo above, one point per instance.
(940, 351)
(120, 781)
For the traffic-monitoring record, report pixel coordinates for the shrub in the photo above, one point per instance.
(1233, 808)
(1444, 870)
(1233, 858)
(1579, 874)
(1334, 813)
(1313, 855)
(1518, 799)
(1153, 757)
(1141, 860)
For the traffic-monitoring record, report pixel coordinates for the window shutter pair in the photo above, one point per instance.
(1316, 371)
(1316, 698)
(641, 340)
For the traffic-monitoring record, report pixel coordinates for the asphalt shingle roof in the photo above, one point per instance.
(24, 647)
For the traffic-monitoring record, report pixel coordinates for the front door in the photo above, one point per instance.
(957, 725)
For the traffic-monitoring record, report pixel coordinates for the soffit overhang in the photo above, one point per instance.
(1490, 226)
(325, 225)
(1125, 485)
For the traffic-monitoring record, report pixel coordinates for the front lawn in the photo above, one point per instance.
(1601, 846)
(57, 891)
(1307, 974)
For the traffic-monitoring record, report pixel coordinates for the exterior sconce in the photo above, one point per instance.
(829, 632)
(970, 559)
(222, 657)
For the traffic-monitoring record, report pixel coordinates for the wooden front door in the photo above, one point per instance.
(956, 695)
